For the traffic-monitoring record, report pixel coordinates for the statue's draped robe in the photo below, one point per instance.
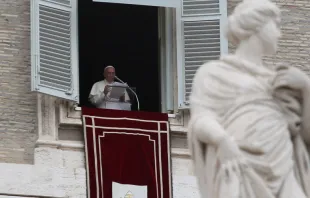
(241, 98)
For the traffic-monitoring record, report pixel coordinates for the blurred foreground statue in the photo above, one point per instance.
(250, 124)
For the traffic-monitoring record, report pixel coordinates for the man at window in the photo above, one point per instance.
(99, 94)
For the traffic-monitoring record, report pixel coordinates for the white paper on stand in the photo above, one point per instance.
(117, 90)
(128, 191)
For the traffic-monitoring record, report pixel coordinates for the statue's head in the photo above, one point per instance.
(255, 18)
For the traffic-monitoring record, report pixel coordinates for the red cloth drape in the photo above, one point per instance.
(130, 161)
(128, 148)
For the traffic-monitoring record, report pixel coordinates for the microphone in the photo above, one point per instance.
(138, 103)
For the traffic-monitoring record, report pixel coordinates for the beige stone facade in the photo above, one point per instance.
(17, 104)
(20, 128)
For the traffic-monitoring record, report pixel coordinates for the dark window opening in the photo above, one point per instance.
(125, 36)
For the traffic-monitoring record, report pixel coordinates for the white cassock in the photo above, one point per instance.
(100, 100)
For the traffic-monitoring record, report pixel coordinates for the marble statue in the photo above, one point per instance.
(250, 124)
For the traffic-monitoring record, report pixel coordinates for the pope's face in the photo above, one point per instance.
(109, 74)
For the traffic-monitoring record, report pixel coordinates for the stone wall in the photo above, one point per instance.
(17, 103)
(61, 174)
(294, 46)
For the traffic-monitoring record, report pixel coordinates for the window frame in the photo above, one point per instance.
(167, 62)
(172, 66)
(158, 3)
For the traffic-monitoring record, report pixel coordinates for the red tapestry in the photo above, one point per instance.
(129, 148)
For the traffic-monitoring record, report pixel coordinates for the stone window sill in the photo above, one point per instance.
(71, 115)
(169, 115)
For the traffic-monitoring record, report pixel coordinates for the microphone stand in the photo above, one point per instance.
(138, 103)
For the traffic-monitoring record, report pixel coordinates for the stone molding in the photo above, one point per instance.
(68, 115)
(53, 113)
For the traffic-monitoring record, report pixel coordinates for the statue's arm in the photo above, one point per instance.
(203, 120)
(294, 78)
(204, 124)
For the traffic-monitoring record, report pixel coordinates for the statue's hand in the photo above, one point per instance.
(230, 155)
(291, 77)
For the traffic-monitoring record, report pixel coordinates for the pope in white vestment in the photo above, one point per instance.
(100, 92)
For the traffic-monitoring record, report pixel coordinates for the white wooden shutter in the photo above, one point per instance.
(200, 33)
(159, 3)
(54, 48)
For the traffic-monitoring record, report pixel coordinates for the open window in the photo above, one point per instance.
(189, 33)
(133, 39)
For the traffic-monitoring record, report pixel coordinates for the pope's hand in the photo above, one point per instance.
(122, 98)
(107, 89)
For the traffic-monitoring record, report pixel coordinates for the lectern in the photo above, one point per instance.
(111, 104)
